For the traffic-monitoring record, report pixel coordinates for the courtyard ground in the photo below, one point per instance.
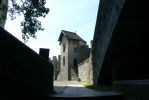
(77, 89)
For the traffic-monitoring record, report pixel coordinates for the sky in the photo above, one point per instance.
(71, 15)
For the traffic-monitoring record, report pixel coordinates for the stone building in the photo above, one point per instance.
(73, 51)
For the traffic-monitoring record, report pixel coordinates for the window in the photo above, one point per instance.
(63, 60)
(75, 65)
(75, 49)
(64, 48)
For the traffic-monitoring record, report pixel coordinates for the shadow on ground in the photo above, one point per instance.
(59, 89)
(73, 92)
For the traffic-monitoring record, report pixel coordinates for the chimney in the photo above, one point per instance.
(44, 53)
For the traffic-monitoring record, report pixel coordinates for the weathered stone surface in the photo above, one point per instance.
(56, 67)
(85, 69)
(63, 75)
(128, 50)
(107, 17)
(120, 43)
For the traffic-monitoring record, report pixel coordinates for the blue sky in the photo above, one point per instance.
(70, 15)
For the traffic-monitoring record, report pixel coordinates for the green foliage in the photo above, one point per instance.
(31, 9)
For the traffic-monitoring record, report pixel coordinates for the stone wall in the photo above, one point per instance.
(63, 75)
(120, 42)
(84, 53)
(85, 69)
(75, 55)
(56, 66)
(23, 73)
(120, 47)
(73, 71)
(107, 17)
(128, 49)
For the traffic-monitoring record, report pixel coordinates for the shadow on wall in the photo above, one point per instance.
(120, 47)
(23, 73)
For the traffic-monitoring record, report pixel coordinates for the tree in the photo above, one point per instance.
(31, 10)
(3, 12)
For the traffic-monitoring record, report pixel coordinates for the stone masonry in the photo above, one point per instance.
(85, 69)
(107, 17)
(55, 63)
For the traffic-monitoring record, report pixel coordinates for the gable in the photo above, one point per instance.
(69, 35)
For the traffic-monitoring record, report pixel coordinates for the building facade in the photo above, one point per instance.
(72, 47)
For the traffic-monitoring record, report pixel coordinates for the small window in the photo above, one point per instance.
(75, 49)
(64, 48)
(63, 60)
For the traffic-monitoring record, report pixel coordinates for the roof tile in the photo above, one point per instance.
(71, 35)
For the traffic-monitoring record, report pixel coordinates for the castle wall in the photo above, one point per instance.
(56, 69)
(23, 72)
(85, 68)
(84, 53)
(107, 17)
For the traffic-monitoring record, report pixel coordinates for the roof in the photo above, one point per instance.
(69, 35)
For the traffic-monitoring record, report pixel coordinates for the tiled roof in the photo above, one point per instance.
(69, 35)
